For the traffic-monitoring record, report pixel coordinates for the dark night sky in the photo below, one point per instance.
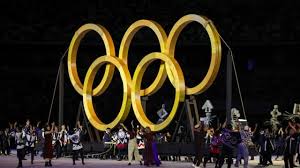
(265, 39)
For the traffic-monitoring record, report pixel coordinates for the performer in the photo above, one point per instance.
(19, 137)
(5, 142)
(27, 126)
(199, 134)
(290, 147)
(140, 140)
(280, 141)
(162, 114)
(30, 143)
(12, 135)
(48, 148)
(56, 142)
(148, 153)
(63, 140)
(155, 153)
(216, 145)
(26, 129)
(107, 139)
(243, 146)
(227, 145)
(267, 148)
(121, 142)
(207, 146)
(40, 138)
(77, 146)
(132, 145)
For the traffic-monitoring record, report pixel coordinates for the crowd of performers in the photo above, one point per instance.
(237, 143)
(50, 140)
(136, 141)
(226, 143)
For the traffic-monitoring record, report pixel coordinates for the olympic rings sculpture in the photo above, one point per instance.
(132, 91)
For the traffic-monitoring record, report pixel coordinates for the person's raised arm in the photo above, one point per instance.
(132, 126)
(125, 128)
(255, 128)
(38, 124)
(280, 131)
(224, 124)
(15, 125)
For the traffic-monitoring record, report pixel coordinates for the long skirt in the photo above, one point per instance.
(148, 154)
(155, 154)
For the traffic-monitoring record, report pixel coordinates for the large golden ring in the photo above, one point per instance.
(132, 89)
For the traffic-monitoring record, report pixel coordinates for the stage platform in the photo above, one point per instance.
(11, 161)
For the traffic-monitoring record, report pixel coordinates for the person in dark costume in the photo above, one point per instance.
(107, 140)
(30, 143)
(155, 153)
(12, 135)
(77, 146)
(280, 140)
(216, 145)
(48, 148)
(19, 137)
(227, 146)
(148, 153)
(290, 147)
(199, 134)
(267, 148)
(5, 143)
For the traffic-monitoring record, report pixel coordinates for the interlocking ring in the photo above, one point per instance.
(169, 67)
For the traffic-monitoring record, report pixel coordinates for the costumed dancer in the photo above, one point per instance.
(30, 143)
(280, 141)
(227, 146)
(63, 140)
(40, 138)
(148, 153)
(19, 137)
(199, 134)
(12, 135)
(216, 145)
(26, 129)
(48, 148)
(242, 151)
(207, 146)
(5, 138)
(140, 140)
(77, 146)
(107, 139)
(297, 136)
(132, 145)
(290, 147)
(56, 142)
(121, 143)
(267, 148)
(155, 153)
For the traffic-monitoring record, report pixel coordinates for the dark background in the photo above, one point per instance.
(264, 36)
